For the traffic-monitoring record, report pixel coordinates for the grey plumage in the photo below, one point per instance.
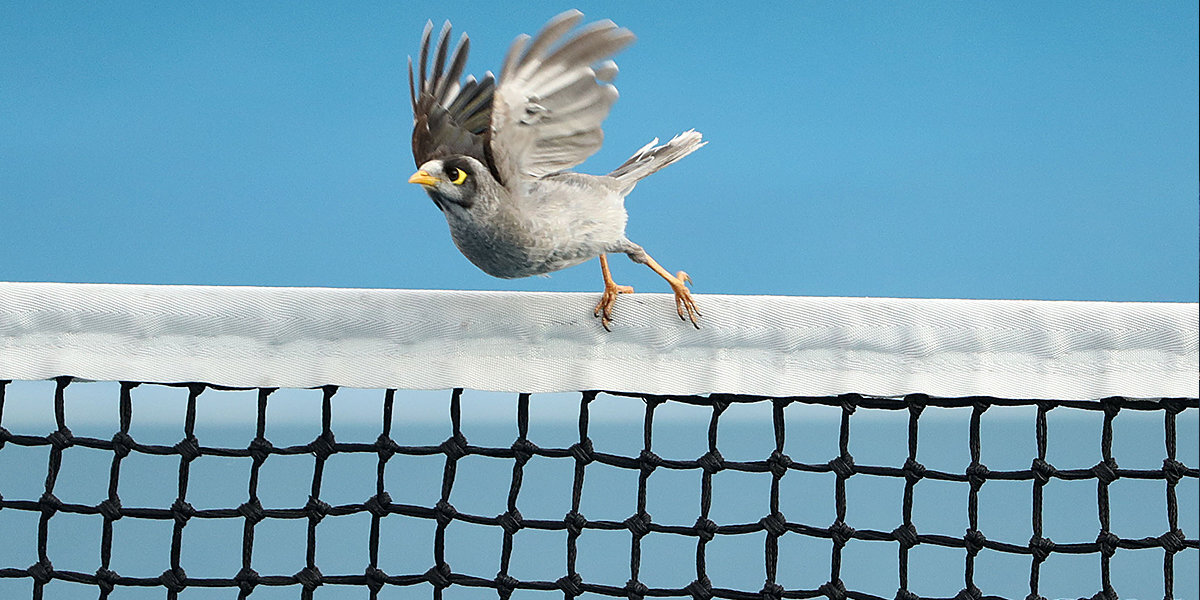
(493, 154)
(651, 158)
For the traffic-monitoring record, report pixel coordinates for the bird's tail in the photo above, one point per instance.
(651, 157)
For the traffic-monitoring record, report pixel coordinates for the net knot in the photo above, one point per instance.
(324, 446)
(1173, 541)
(841, 533)
(310, 577)
(648, 461)
(5, 435)
(106, 579)
(439, 576)
(916, 403)
(181, 511)
(974, 541)
(1107, 541)
(246, 579)
(635, 590)
(977, 474)
(705, 528)
(712, 461)
(61, 439)
(1043, 470)
(700, 588)
(779, 463)
(252, 510)
(774, 523)
(375, 578)
(913, 470)
(842, 466)
(1035, 597)
(1111, 405)
(1173, 406)
(174, 579)
(1105, 471)
(260, 449)
(719, 402)
(906, 595)
(1173, 470)
(41, 571)
(455, 447)
(1041, 547)
(583, 452)
(834, 590)
(110, 509)
(906, 534)
(50, 504)
(444, 512)
(849, 402)
(575, 522)
(188, 448)
(379, 505)
(523, 450)
(570, 584)
(969, 593)
(385, 447)
(121, 444)
(772, 591)
(638, 524)
(316, 509)
(505, 584)
(511, 521)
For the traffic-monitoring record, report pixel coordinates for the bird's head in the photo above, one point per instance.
(452, 181)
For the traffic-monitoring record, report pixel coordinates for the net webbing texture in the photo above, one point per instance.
(775, 524)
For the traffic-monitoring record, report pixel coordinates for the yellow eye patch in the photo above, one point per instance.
(457, 176)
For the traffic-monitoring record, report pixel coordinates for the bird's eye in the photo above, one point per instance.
(456, 176)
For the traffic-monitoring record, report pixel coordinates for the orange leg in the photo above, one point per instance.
(678, 282)
(611, 290)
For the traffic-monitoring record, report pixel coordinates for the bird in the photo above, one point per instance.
(495, 153)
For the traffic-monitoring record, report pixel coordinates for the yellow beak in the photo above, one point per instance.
(423, 178)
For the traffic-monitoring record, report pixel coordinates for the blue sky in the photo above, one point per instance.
(970, 150)
(1016, 150)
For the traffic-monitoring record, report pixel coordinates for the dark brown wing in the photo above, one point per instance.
(450, 116)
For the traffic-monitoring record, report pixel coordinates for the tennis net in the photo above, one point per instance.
(835, 448)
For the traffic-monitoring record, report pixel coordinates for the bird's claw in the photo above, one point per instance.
(684, 305)
(607, 299)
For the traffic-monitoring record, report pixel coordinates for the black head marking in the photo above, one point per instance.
(453, 166)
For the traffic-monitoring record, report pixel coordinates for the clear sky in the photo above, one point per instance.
(1014, 150)
(957, 150)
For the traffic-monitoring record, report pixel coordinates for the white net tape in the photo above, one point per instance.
(549, 342)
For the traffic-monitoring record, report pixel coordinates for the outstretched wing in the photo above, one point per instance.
(550, 101)
(449, 116)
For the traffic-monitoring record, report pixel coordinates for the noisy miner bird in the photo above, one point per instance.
(493, 155)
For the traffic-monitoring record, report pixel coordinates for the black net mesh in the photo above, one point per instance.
(771, 530)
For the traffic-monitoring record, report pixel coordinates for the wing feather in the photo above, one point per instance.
(551, 99)
(551, 32)
(451, 116)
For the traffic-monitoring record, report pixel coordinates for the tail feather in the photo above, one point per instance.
(651, 157)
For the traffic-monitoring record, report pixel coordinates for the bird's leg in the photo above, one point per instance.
(684, 305)
(611, 290)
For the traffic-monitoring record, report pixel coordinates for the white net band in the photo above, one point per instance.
(548, 342)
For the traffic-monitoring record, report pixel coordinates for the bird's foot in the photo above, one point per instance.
(604, 307)
(684, 305)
